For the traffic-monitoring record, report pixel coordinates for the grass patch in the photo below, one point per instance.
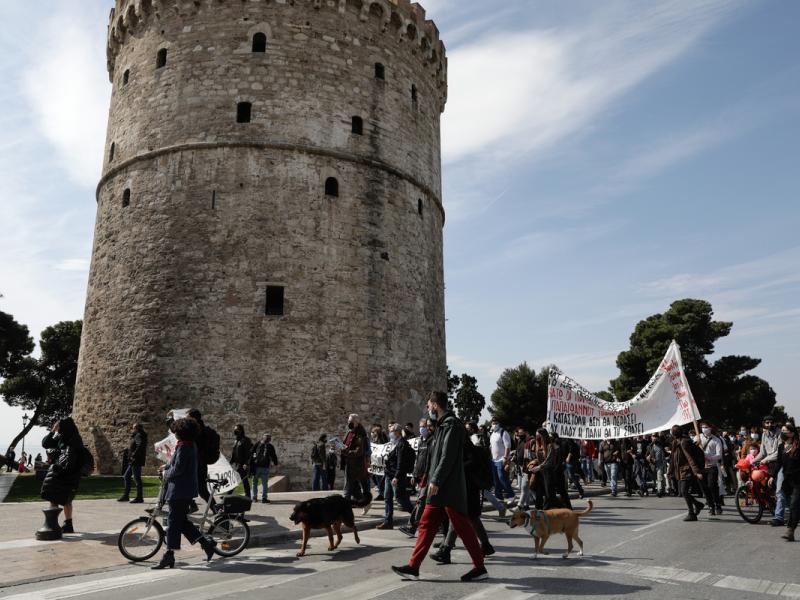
(26, 488)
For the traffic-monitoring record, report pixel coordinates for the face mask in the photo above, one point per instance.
(754, 436)
(706, 431)
(433, 415)
(238, 434)
(424, 431)
(495, 427)
(743, 433)
(392, 436)
(351, 425)
(475, 439)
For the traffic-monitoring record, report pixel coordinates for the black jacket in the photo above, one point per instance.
(64, 474)
(790, 465)
(264, 455)
(242, 450)
(421, 462)
(393, 462)
(137, 450)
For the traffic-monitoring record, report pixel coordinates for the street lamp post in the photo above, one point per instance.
(25, 418)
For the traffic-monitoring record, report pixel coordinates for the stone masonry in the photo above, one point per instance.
(197, 214)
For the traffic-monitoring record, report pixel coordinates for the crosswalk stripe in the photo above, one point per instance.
(499, 590)
(95, 586)
(364, 590)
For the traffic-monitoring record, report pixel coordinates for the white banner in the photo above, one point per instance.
(381, 451)
(221, 469)
(666, 400)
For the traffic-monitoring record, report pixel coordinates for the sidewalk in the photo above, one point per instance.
(94, 547)
(6, 481)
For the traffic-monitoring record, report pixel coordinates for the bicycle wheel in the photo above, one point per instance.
(140, 539)
(231, 534)
(748, 506)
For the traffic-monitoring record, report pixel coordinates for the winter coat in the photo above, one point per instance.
(62, 479)
(790, 465)
(609, 452)
(683, 467)
(264, 455)
(242, 449)
(446, 468)
(421, 463)
(393, 462)
(137, 450)
(181, 474)
(354, 454)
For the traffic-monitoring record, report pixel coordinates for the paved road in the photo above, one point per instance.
(635, 548)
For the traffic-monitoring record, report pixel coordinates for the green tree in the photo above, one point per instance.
(452, 385)
(46, 385)
(469, 402)
(15, 344)
(724, 391)
(520, 398)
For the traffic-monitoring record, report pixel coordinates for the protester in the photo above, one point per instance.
(319, 476)
(657, 460)
(137, 456)
(609, 462)
(264, 456)
(713, 449)
(687, 465)
(446, 492)
(768, 455)
(207, 443)
(355, 457)
(398, 464)
(500, 445)
(63, 477)
(241, 455)
(588, 451)
(522, 455)
(418, 478)
(572, 465)
(181, 477)
(377, 437)
(789, 463)
(331, 462)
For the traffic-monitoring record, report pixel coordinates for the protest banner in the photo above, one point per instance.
(221, 469)
(666, 400)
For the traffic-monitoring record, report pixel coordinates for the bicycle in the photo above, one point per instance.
(142, 538)
(754, 495)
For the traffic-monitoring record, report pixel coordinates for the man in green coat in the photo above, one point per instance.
(447, 492)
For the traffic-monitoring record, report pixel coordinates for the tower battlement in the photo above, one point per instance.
(402, 20)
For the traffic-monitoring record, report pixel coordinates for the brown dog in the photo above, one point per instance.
(541, 524)
(328, 513)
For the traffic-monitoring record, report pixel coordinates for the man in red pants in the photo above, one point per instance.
(447, 493)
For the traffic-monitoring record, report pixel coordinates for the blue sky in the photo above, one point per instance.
(601, 159)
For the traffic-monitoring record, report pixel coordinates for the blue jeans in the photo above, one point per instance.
(611, 472)
(178, 523)
(319, 478)
(389, 492)
(261, 474)
(136, 472)
(780, 498)
(502, 486)
(588, 468)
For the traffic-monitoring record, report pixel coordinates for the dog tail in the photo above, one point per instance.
(361, 502)
(585, 512)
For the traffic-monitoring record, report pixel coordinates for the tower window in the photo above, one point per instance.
(111, 152)
(414, 96)
(274, 300)
(243, 112)
(419, 206)
(380, 71)
(332, 187)
(358, 126)
(126, 197)
(260, 42)
(126, 76)
(161, 58)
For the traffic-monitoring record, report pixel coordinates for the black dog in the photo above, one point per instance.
(330, 514)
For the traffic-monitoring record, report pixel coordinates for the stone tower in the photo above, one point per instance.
(268, 243)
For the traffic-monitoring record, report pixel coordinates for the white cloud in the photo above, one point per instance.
(68, 90)
(515, 93)
(73, 264)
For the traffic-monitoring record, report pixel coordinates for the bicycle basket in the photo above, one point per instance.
(236, 504)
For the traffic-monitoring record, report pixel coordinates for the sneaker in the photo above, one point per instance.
(405, 530)
(407, 572)
(385, 525)
(442, 556)
(502, 513)
(476, 574)
(690, 518)
(264, 501)
(67, 527)
(777, 523)
(137, 501)
(487, 549)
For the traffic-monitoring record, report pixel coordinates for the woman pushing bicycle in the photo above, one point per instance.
(180, 477)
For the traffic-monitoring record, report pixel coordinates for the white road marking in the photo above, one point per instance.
(499, 590)
(364, 590)
(657, 523)
(745, 584)
(95, 586)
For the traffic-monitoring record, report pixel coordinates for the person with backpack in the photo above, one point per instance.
(208, 444)
(264, 456)
(137, 454)
(70, 461)
(319, 476)
(688, 462)
(398, 464)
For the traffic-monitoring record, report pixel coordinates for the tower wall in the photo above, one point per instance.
(215, 211)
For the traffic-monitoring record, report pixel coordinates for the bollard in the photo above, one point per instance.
(51, 529)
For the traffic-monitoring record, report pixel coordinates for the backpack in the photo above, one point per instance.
(481, 473)
(87, 462)
(211, 450)
(407, 460)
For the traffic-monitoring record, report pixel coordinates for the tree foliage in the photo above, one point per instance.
(468, 401)
(452, 385)
(724, 391)
(520, 398)
(15, 344)
(45, 385)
